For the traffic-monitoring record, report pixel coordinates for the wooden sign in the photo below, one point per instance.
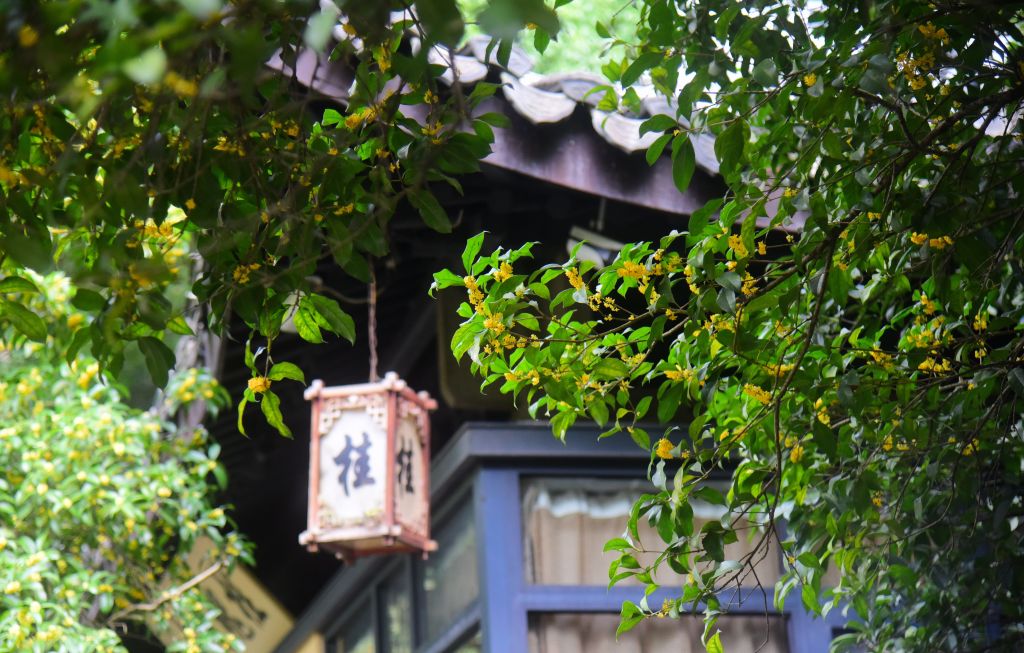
(369, 471)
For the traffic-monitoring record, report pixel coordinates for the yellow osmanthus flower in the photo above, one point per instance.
(494, 323)
(632, 270)
(971, 448)
(758, 393)
(796, 453)
(935, 367)
(259, 384)
(980, 322)
(931, 32)
(737, 246)
(928, 304)
(241, 274)
(180, 86)
(503, 272)
(918, 239)
(27, 36)
(810, 79)
(433, 130)
(762, 248)
(822, 411)
(663, 449)
(876, 499)
(9, 177)
(363, 115)
(575, 280)
(749, 285)
(680, 374)
(779, 369)
(940, 243)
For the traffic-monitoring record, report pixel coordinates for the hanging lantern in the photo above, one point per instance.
(369, 469)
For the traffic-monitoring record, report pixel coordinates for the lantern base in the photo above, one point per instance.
(351, 543)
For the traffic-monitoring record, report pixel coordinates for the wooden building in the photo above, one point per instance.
(519, 518)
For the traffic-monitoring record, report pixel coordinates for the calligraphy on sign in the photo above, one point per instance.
(351, 461)
(411, 498)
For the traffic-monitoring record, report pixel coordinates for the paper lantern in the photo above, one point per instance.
(369, 469)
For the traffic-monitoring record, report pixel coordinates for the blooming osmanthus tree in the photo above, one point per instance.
(100, 504)
(841, 333)
(860, 381)
(124, 121)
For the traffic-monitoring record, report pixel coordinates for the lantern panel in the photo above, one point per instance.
(411, 500)
(353, 470)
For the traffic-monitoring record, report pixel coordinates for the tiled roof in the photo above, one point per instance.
(544, 99)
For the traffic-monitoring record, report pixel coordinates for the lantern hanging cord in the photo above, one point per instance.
(372, 324)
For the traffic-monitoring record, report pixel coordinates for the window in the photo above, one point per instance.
(356, 636)
(449, 578)
(474, 644)
(567, 520)
(396, 599)
(595, 633)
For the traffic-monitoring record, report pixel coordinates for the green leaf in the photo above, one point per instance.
(658, 123)
(148, 68)
(765, 73)
(441, 20)
(338, 320)
(616, 544)
(470, 252)
(629, 617)
(684, 162)
(177, 324)
(503, 19)
(561, 422)
(24, 320)
(88, 300)
(642, 63)
(270, 404)
(445, 279)
(306, 324)
(241, 415)
(286, 370)
(610, 368)
(17, 284)
(431, 211)
(714, 644)
(657, 147)
(729, 145)
(599, 412)
(541, 40)
(640, 437)
(318, 29)
(159, 359)
(643, 406)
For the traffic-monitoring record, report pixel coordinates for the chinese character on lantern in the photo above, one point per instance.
(369, 470)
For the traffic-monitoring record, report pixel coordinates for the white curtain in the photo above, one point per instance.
(567, 521)
(595, 633)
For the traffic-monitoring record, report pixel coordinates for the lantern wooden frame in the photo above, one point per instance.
(385, 402)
